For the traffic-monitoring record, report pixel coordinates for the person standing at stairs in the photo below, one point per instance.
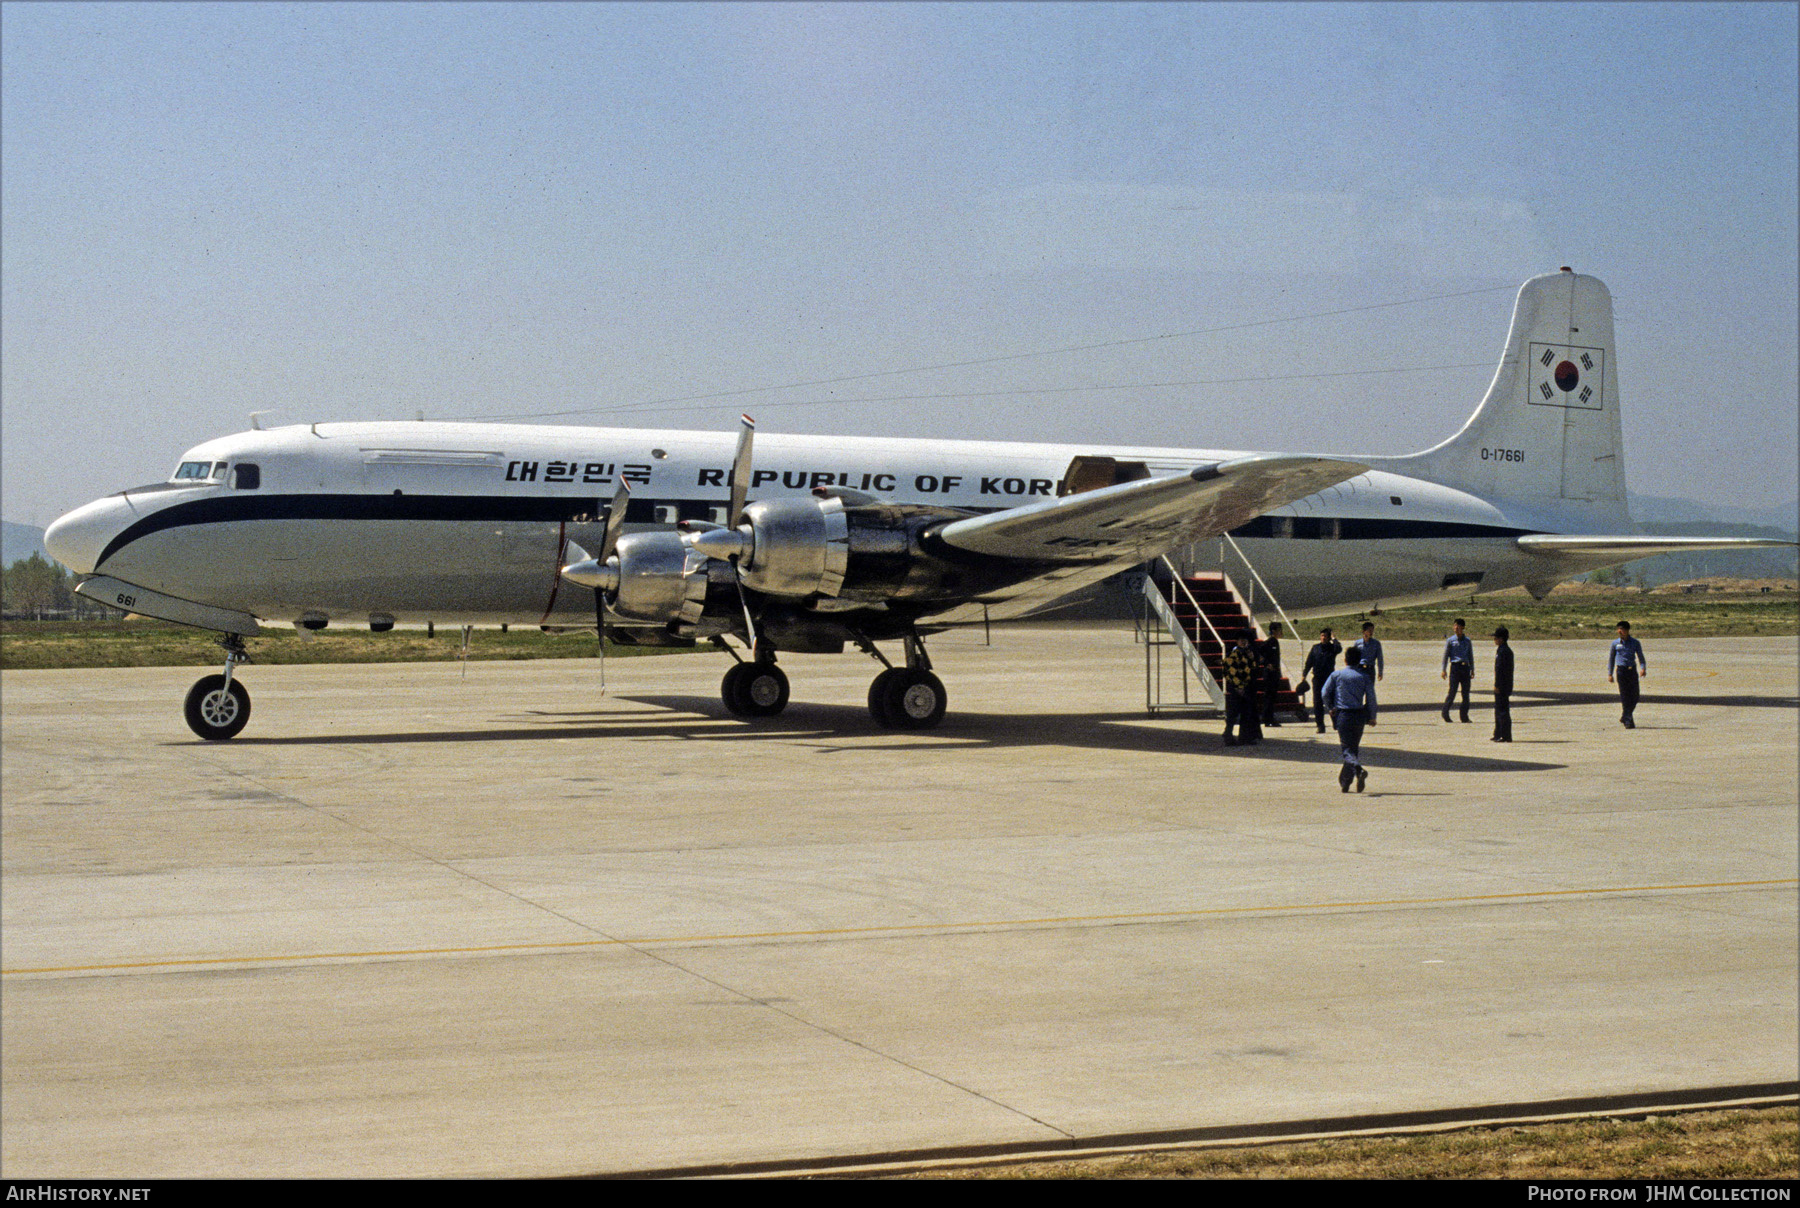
(1241, 675)
(1268, 658)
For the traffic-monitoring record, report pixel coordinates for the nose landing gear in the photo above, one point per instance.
(217, 706)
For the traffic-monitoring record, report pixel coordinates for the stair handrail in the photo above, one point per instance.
(1279, 610)
(1198, 611)
(1189, 653)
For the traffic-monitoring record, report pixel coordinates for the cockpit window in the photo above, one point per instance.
(218, 469)
(246, 476)
(199, 470)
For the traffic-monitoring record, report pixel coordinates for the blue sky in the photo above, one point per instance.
(644, 213)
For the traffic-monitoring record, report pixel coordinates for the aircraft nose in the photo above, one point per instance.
(79, 538)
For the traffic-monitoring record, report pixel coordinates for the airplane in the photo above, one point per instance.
(789, 543)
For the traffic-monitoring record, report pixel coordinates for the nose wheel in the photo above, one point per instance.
(217, 706)
(217, 710)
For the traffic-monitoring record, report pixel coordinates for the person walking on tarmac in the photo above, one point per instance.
(1321, 661)
(1622, 663)
(1350, 692)
(1458, 667)
(1503, 685)
(1241, 674)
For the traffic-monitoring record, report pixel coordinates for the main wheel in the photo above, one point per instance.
(216, 712)
(878, 690)
(755, 689)
(914, 700)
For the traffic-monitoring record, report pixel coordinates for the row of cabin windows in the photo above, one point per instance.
(245, 476)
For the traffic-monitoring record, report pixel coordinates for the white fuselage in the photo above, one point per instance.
(471, 523)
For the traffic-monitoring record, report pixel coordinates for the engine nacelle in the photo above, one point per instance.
(785, 547)
(801, 547)
(659, 579)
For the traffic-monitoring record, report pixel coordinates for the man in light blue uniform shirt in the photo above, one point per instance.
(1622, 663)
(1458, 667)
(1350, 695)
(1372, 659)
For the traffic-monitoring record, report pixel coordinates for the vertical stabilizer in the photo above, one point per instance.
(1547, 434)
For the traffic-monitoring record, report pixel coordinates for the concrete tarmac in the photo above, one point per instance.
(414, 922)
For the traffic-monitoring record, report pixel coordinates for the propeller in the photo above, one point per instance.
(596, 572)
(734, 542)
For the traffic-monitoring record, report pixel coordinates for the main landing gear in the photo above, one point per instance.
(756, 689)
(909, 697)
(218, 706)
(900, 698)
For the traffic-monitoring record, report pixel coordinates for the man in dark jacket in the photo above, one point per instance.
(1321, 661)
(1503, 685)
(1268, 658)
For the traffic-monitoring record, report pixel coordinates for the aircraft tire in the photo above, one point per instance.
(765, 690)
(755, 689)
(214, 713)
(878, 689)
(914, 700)
(731, 689)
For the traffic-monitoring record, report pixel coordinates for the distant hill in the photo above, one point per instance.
(1744, 564)
(20, 541)
(1661, 511)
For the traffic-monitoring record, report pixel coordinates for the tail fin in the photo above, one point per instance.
(1547, 434)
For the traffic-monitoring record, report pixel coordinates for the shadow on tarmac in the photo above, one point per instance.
(849, 728)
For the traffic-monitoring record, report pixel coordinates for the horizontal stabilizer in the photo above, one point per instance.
(1626, 549)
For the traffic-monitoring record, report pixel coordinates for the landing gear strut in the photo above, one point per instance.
(217, 706)
(755, 689)
(909, 697)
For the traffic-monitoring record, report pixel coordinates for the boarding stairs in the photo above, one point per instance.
(1192, 618)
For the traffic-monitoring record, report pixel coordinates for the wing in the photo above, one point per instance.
(1065, 544)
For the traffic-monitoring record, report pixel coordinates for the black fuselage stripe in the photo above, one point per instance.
(488, 509)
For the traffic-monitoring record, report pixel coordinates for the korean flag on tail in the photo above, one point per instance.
(1565, 375)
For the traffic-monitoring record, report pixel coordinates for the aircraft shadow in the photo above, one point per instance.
(850, 729)
(1482, 701)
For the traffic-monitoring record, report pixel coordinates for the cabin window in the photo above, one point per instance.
(246, 476)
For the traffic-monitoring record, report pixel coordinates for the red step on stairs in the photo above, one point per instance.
(1220, 602)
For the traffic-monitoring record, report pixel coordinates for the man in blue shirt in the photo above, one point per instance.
(1622, 664)
(1350, 695)
(1372, 659)
(1458, 667)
